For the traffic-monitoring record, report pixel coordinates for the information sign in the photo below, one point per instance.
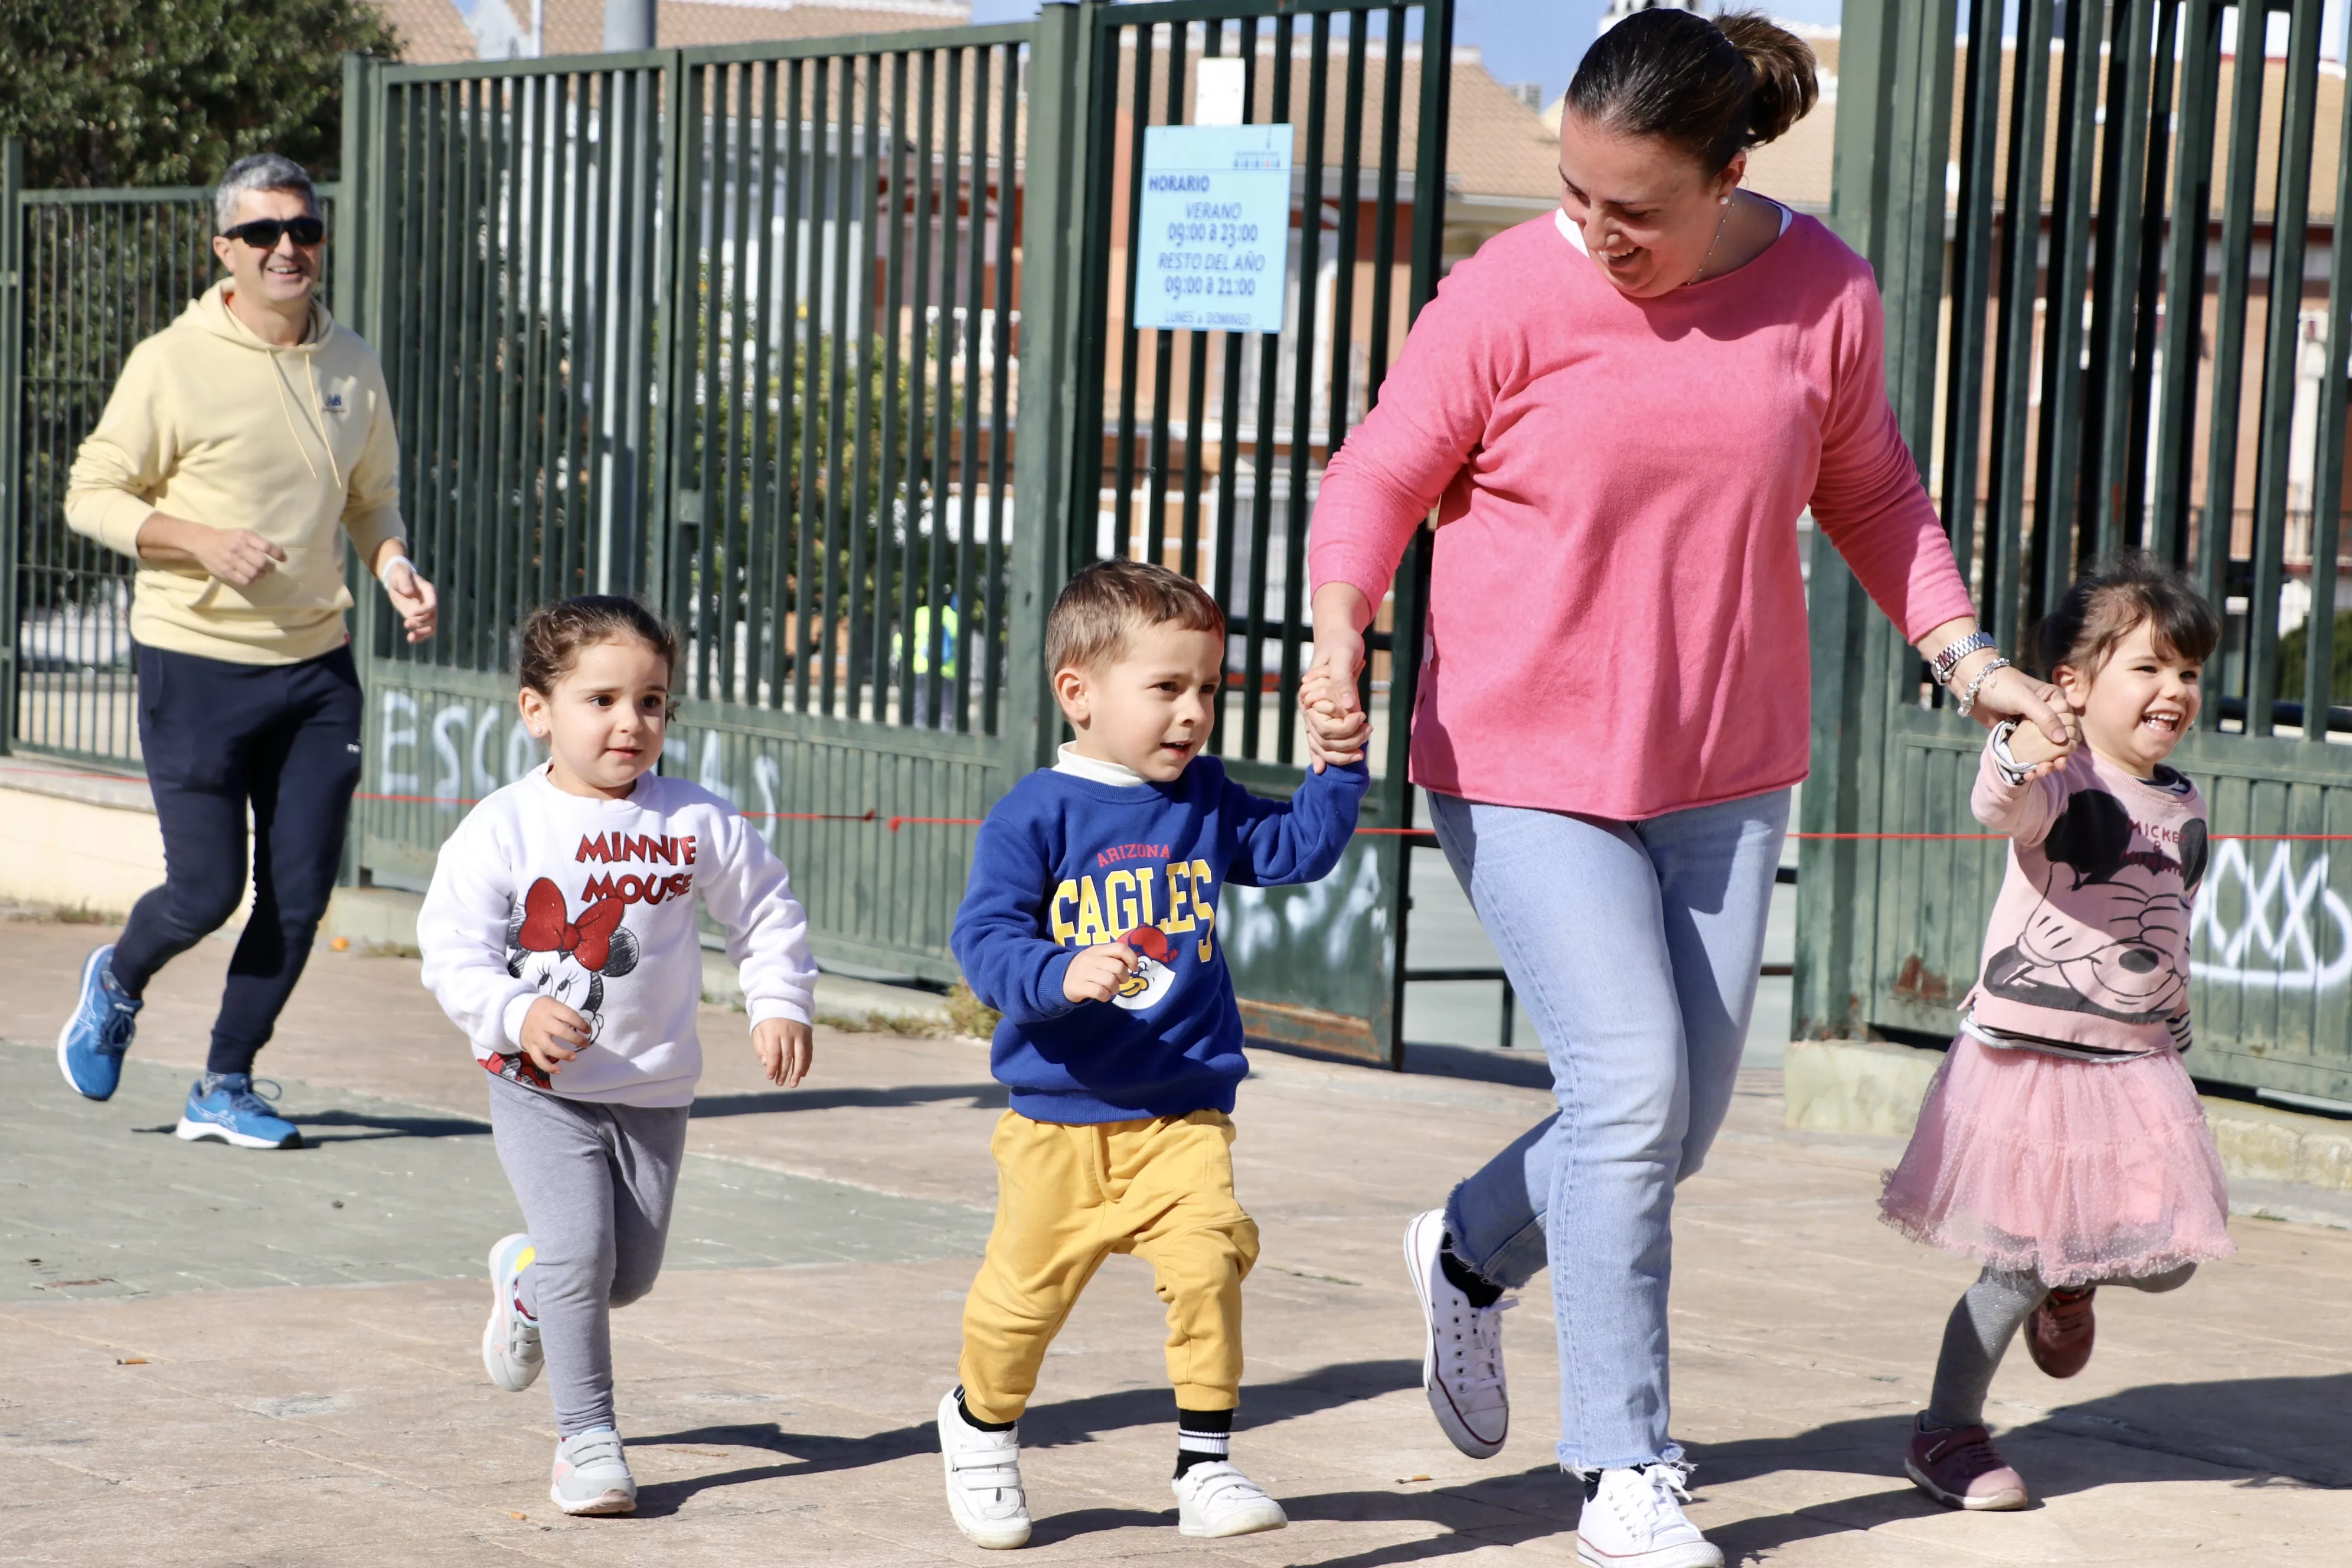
(1215, 246)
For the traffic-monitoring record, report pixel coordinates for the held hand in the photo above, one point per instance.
(2037, 753)
(237, 556)
(1097, 972)
(553, 1034)
(411, 596)
(1335, 735)
(1338, 729)
(787, 1047)
(2009, 693)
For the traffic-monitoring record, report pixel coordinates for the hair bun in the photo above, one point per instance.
(1786, 83)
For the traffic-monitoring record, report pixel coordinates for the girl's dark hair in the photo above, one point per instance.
(2101, 609)
(553, 635)
(1709, 88)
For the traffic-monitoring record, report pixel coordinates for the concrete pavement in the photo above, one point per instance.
(252, 1375)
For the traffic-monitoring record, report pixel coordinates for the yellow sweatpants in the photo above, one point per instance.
(1069, 1196)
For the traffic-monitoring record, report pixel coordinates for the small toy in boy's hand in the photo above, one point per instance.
(1097, 972)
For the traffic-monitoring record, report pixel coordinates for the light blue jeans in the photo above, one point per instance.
(1635, 947)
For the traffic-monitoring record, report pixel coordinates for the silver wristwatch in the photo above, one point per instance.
(1940, 668)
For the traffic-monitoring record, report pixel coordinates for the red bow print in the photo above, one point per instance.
(545, 929)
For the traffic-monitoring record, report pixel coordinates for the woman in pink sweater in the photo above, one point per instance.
(1619, 412)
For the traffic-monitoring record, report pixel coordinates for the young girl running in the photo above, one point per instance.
(560, 935)
(2062, 1144)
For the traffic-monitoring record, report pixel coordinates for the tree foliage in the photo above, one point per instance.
(169, 93)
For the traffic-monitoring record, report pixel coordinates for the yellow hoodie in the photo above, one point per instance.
(212, 423)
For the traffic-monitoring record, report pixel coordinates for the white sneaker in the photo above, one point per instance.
(510, 1350)
(983, 1471)
(1635, 1520)
(592, 1475)
(1462, 1347)
(1216, 1499)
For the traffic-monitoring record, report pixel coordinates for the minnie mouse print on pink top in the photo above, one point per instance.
(592, 902)
(2087, 950)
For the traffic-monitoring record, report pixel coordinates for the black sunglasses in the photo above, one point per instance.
(263, 233)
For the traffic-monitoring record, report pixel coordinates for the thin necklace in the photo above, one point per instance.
(1721, 218)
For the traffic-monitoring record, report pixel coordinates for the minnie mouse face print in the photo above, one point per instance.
(2103, 940)
(567, 959)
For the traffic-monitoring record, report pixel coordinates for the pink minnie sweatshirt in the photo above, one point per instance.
(1616, 613)
(2088, 943)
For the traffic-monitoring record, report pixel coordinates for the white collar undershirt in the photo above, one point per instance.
(1093, 769)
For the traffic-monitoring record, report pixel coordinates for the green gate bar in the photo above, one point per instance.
(2103, 336)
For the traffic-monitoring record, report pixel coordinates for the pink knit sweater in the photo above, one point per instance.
(1616, 616)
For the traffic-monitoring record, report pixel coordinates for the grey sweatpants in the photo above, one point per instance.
(1980, 1327)
(595, 1183)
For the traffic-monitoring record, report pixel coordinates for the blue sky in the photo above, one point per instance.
(1525, 40)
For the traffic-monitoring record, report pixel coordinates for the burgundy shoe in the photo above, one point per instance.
(2058, 1336)
(1958, 1467)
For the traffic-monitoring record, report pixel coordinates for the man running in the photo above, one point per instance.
(235, 445)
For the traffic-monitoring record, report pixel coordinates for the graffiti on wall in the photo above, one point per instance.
(2277, 929)
(453, 751)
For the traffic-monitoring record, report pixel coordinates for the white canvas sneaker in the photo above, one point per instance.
(1462, 1347)
(1635, 1520)
(510, 1348)
(983, 1471)
(1216, 1499)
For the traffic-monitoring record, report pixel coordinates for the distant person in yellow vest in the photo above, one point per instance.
(916, 666)
(241, 444)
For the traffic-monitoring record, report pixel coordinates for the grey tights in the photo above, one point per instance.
(1979, 1330)
(595, 1183)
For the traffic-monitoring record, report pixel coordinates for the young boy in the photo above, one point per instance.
(1091, 924)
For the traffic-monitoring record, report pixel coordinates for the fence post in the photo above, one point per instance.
(1050, 422)
(12, 421)
(1837, 881)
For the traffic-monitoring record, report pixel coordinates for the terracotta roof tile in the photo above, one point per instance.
(433, 32)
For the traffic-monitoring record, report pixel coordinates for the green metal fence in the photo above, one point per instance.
(2124, 325)
(1201, 450)
(809, 342)
(84, 275)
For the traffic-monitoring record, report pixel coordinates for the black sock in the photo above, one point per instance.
(975, 1422)
(1593, 1481)
(1202, 1437)
(1482, 1291)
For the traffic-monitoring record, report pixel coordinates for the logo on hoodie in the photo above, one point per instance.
(334, 403)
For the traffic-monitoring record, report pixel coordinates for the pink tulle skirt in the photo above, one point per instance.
(2079, 1171)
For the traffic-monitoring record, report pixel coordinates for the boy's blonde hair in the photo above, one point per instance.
(1100, 607)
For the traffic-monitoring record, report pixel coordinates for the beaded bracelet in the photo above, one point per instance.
(1968, 697)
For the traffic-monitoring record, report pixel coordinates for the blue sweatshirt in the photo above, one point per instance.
(1065, 862)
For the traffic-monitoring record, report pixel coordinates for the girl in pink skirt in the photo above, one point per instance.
(2062, 1144)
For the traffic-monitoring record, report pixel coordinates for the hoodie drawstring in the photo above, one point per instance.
(278, 379)
(310, 371)
(311, 366)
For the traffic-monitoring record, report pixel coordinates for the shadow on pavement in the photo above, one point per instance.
(2284, 1430)
(1046, 1427)
(365, 1125)
(975, 1096)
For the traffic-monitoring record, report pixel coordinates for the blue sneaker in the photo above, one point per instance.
(234, 1110)
(91, 1045)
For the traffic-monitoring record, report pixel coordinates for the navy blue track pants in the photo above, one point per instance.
(282, 743)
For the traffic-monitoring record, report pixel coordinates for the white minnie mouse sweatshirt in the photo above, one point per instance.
(592, 902)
